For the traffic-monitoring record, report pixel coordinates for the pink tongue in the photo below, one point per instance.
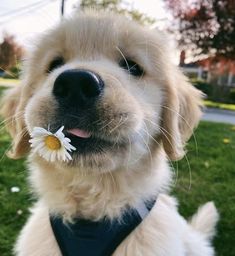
(79, 133)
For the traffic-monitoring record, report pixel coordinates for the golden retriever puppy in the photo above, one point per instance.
(128, 111)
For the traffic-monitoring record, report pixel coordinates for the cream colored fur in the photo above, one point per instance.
(155, 114)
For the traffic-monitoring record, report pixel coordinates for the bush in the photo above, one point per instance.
(215, 92)
(232, 95)
(224, 94)
(204, 87)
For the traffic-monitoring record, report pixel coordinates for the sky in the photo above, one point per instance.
(26, 19)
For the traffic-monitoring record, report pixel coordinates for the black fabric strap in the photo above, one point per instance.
(89, 238)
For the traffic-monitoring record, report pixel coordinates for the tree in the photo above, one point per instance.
(118, 6)
(10, 52)
(205, 26)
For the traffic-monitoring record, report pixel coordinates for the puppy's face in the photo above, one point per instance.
(110, 83)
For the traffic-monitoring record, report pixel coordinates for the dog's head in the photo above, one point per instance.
(108, 77)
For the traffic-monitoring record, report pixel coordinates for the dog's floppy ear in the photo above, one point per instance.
(12, 112)
(181, 113)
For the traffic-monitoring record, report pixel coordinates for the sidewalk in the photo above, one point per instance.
(219, 115)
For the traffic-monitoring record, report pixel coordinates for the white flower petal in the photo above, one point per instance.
(39, 146)
(68, 146)
(44, 152)
(38, 131)
(53, 156)
(59, 133)
(36, 140)
(68, 155)
(46, 156)
(67, 139)
(60, 130)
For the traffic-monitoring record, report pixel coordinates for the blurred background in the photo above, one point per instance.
(202, 34)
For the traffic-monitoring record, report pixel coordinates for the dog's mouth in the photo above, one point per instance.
(87, 142)
(91, 133)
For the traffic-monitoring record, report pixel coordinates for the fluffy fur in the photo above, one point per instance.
(147, 119)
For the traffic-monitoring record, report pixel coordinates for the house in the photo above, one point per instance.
(211, 69)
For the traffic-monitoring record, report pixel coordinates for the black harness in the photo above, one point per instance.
(96, 238)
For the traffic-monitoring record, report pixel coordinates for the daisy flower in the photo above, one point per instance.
(51, 146)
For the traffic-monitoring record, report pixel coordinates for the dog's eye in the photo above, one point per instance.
(132, 67)
(55, 63)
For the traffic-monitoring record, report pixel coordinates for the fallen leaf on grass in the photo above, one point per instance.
(226, 141)
(19, 212)
(207, 165)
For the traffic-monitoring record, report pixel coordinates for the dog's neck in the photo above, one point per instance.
(76, 194)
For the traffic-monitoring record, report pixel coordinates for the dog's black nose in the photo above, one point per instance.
(79, 88)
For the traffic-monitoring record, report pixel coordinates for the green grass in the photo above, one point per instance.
(212, 178)
(212, 104)
(12, 173)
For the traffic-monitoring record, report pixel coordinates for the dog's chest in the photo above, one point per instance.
(100, 238)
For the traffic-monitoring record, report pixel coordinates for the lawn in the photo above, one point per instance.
(209, 175)
(225, 106)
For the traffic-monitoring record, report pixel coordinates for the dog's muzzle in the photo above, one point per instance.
(77, 93)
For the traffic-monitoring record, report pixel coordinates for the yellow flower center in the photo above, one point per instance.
(52, 142)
